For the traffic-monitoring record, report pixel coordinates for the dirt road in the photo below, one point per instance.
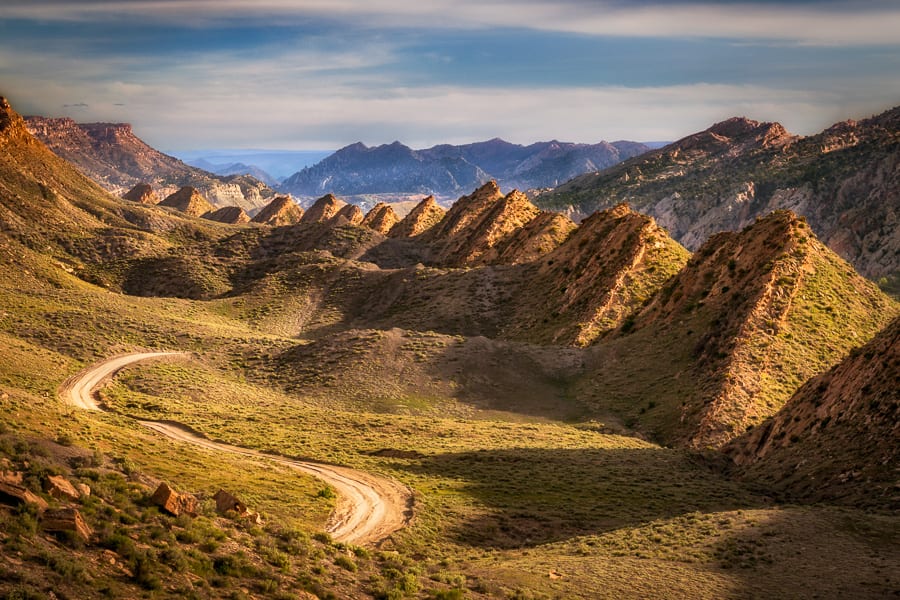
(369, 507)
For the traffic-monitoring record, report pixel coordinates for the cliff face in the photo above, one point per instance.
(845, 181)
(113, 156)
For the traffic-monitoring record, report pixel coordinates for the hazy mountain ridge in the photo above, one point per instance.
(447, 170)
(235, 168)
(845, 181)
(112, 155)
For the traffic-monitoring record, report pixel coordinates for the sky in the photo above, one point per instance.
(321, 74)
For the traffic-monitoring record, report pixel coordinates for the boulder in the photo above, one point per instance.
(226, 502)
(16, 495)
(83, 488)
(174, 503)
(60, 487)
(66, 519)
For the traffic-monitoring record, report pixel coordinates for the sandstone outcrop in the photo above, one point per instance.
(381, 218)
(231, 215)
(173, 502)
(425, 215)
(142, 193)
(60, 487)
(279, 212)
(16, 495)
(189, 201)
(60, 520)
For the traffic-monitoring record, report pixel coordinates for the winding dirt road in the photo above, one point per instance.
(369, 507)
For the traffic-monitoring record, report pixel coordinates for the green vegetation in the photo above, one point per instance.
(526, 484)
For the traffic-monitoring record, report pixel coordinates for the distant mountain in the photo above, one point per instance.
(280, 164)
(235, 168)
(449, 171)
(113, 156)
(845, 181)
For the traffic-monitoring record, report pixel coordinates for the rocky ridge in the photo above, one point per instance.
(448, 170)
(425, 215)
(740, 322)
(231, 215)
(845, 181)
(381, 218)
(282, 210)
(324, 209)
(348, 214)
(113, 156)
(848, 419)
(189, 201)
(142, 193)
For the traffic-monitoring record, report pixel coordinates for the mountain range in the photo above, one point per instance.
(845, 181)
(448, 171)
(112, 155)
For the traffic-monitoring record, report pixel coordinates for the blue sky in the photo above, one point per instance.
(319, 74)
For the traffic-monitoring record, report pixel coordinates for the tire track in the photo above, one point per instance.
(369, 508)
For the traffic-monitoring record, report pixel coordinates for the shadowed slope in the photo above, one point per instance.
(836, 438)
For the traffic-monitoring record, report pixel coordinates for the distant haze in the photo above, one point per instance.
(277, 163)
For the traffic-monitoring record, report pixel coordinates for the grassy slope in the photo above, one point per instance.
(734, 334)
(538, 504)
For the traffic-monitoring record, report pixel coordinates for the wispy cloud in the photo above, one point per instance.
(829, 23)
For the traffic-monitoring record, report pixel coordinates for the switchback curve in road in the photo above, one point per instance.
(369, 507)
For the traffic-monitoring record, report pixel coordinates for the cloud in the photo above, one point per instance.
(77, 105)
(831, 23)
(327, 117)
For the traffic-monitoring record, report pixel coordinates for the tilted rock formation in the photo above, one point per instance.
(420, 219)
(381, 218)
(606, 269)
(349, 214)
(279, 212)
(232, 215)
(836, 438)
(732, 336)
(17, 495)
(536, 238)
(476, 226)
(465, 212)
(142, 193)
(322, 210)
(189, 201)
